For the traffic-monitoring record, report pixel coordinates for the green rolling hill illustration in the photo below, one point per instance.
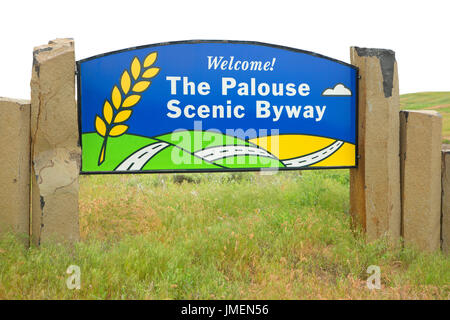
(183, 150)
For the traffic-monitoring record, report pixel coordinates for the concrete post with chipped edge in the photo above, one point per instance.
(15, 167)
(445, 202)
(55, 143)
(420, 148)
(375, 184)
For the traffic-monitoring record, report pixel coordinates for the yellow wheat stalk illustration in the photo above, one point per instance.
(123, 99)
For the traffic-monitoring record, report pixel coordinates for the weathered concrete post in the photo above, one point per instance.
(15, 166)
(55, 149)
(445, 216)
(420, 144)
(375, 184)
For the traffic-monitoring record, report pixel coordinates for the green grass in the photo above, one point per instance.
(226, 236)
(421, 100)
(438, 101)
(223, 236)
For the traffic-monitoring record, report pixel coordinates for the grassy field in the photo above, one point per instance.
(247, 236)
(439, 101)
(222, 236)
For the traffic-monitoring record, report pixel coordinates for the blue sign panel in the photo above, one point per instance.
(216, 106)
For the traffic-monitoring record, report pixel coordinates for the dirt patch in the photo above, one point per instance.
(438, 107)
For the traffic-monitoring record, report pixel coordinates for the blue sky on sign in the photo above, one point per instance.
(331, 90)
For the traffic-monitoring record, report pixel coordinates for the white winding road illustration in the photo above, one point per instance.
(215, 153)
(314, 157)
(138, 159)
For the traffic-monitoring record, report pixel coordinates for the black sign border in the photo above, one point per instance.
(78, 75)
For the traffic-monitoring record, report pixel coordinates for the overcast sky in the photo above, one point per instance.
(418, 31)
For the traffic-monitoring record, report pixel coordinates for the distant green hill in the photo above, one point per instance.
(439, 101)
(422, 100)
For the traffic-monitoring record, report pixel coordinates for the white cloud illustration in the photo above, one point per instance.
(338, 90)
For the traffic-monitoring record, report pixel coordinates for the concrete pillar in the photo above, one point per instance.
(15, 166)
(55, 144)
(420, 147)
(445, 215)
(375, 184)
